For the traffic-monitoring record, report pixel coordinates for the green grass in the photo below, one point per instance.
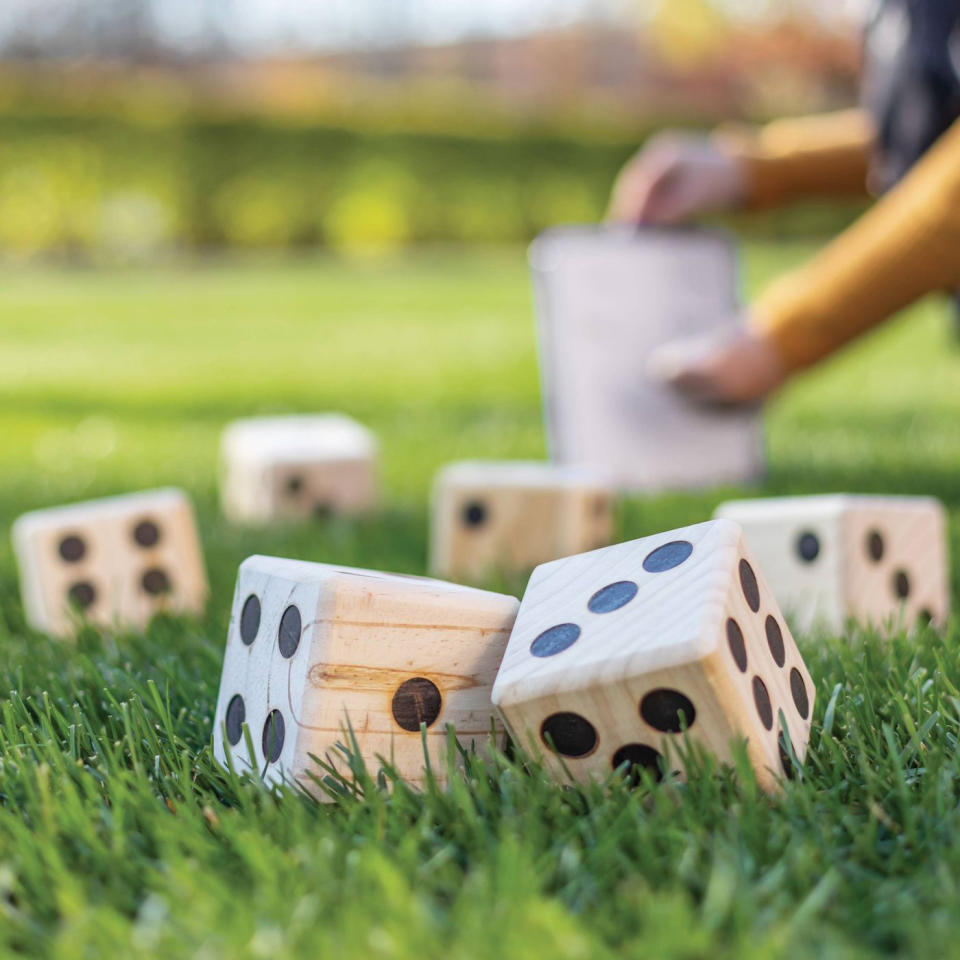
(120, 836)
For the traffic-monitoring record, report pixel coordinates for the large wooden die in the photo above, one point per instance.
(291, 467)
(507, 517)
(620, 653)
(115, 562)
(879, 560)
(314, 650)
(606, 300)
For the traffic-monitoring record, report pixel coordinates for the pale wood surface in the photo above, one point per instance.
(672, 635)
(282, 468)
(363, 635)
(844, 580)
(531, 513)
(914, 535)
(810, 593)
(605, 300)
(113, 563)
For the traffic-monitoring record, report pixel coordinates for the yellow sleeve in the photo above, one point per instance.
(826, 155)
(906, 245)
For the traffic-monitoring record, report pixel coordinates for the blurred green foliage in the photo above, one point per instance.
(100, 186)
(116, 186)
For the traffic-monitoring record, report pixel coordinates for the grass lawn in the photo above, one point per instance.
(120, 836)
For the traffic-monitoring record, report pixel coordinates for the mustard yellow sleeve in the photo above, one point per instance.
(906, 245)
(826, 155)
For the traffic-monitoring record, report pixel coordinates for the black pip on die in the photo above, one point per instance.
(313, 647)
(621, 652)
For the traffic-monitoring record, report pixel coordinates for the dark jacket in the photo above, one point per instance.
(911, 80)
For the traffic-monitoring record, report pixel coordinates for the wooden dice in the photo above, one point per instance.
(619, 654)
(313, 647)
(880, 560)
(506, 517)
(114, 562)
(288, 468)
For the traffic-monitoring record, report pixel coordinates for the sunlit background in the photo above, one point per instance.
(134, 129)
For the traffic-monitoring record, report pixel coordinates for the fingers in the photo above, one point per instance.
(646, 193)
(659, 205)
(629, 194)
(687, 367)
(674, 179)
(739, 372)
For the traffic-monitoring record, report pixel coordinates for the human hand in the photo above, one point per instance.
(739, 370)
(674, 178)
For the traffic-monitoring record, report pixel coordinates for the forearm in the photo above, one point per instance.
(907, 245)
(826, 155)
